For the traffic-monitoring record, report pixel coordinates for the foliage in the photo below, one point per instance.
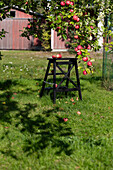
(38, 27)
(0, 56)
(75, 23)
(109, 45)
(3, 15)
(108, 33)
(46, 37)
(2, 33)
(108, 53)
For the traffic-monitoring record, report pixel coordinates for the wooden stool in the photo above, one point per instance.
(71, 62)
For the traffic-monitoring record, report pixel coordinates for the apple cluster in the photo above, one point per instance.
(67, 3)
(73, 23)
(75, 27)
(79, 52)
(89, 64)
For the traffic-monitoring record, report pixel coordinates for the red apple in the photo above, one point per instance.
(79, 47)
(35, 21)
(50, 23)
(89, 47)
(75, 17)
(76, 36)
(65, 119)
(53, 56)
(85, 58)
(59, 56)
(29, 26)
(84, 72)
(78, 19)
(85, 13)
(56, 85)
(67, 2)
(71, 10)
(91, 27)
(89, 63)
(76, 49)
(72, 3)
(77, 26)
(58, 28)
(62, 3)
(78, 112)
(79, 52)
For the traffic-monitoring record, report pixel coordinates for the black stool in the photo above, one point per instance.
(71, 62)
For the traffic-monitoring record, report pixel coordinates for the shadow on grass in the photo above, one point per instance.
(41, 129)
(43, 132)
(6, 104)
(7, 84)
(92, 79)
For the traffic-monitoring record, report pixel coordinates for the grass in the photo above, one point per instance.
(33, 135)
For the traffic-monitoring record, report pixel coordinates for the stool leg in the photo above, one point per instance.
(78, 81)
(54, 81)
(43, 85)
(67, 81)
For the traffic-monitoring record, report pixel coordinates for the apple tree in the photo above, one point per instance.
(75, 23)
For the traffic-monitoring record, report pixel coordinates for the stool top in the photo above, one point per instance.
(61, 58)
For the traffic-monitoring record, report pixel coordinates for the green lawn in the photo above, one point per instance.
(33, 134)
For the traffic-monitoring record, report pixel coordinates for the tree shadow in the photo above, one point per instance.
(96, 80)
(8, 109)
(6, 104)
(92, 79)
(43, 132)
(8, 151)
(7, 84)
(41, 129)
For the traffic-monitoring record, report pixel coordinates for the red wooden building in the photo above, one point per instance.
(13, 40)
(13, 25)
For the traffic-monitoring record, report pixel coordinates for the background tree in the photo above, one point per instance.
(38, 27)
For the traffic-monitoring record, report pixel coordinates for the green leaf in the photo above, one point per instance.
(106, 48)
(64, 36)
(69, 16)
